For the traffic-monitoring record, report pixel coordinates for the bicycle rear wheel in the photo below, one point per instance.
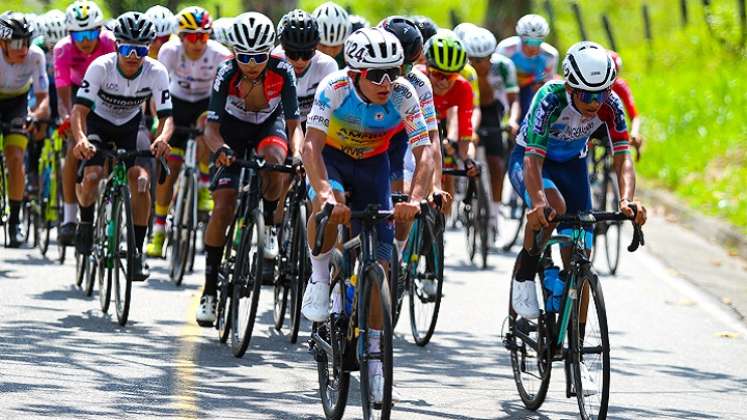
(612, 236)
(42, 227)
(300, 257)
(424, 305)
(590, 349)
(225, 287)
(381, 355)
(182, 229)
(247, 282)
(510, 217)
(281, 275)
(482, 222)
(124, 255)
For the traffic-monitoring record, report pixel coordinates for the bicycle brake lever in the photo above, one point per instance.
(321, 220)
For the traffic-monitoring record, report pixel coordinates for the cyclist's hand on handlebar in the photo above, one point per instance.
(340, 214)
(513, 128)
(472, 167)
(224, 156)
(84, 150)
(640, 214)
(536, 217)
(160, 148)
(405, 212)
(445, 197)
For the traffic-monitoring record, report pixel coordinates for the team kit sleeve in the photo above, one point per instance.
(39, 74)
(219, 94)
(321, 110)
(509, 76)
(465, 107)
(406, 101)
(61, 66)
(538, 122)
(91, 83)
(288, 95)
(161, 91)
(613, 115)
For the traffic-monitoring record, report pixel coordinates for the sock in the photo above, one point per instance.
(159, 222)
(71, 213)
(213, 256)
(320, 268)
(140, 232)
(495, 209)
(526, 266)
(374, 342)
(86, 213)
(269, 209)
(15, 210)
(336, 299)
(204, 179)
(401, 247)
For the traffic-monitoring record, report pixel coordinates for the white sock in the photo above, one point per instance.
(157, 227)
(401, 247)
(71, 213)
(374, 342)
(320, 267)
(336, 299)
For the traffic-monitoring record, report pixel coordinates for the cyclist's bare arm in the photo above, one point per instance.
(314, 163)
(296, 137)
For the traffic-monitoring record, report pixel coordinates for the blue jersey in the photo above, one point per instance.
(530, 70)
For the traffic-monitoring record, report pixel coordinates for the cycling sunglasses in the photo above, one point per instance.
(379, 76)
(18, 43)
(587, 97)
(299, 54)
(126, 49)
(195, 37)
(439, 75)
(532, 42)
(88, 35)
(257, 58)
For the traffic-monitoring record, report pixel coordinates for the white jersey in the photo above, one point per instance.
(423, 88)
(320, 66)
(192, 80)
(117, 99)
(17, 79)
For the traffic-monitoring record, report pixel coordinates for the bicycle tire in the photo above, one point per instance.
(612, 232)
(281, 275)
(397, 280)
(375, 275)
(299, 254)
(123, 231)
(182, 228)
(434, 270)
(61, 249)
(247, 282)
(225, 287)
(483, 221)
(81, 268)
(333, 390)
(280, 302)
(42, 227)
(578, 350)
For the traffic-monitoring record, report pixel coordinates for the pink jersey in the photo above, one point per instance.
(70, 63)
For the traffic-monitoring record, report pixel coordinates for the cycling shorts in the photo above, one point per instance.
(13, 112)
(367, 182)
(101, 131)
(185, 114)
(489, 132)
(570, 178)
(242, 137)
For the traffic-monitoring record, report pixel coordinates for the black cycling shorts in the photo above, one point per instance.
(185, 114)
(101, 131)
(489, 131)
(13, 113)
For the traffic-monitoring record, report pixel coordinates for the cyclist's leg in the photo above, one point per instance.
(492, 140)
(139, 178)
(203, 167)
(88, 189)
(397, 151)
(273, 146)
(14, 113)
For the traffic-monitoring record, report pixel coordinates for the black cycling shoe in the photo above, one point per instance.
(66, 234)
(84, 238)
(141, 270)
(16, 236)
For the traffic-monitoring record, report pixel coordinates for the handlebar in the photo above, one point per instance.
(121, 154)
(257, 164)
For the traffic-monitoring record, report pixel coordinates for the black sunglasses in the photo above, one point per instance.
(377, 76)
(299, 54)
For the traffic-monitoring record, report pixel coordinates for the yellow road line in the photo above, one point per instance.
(185, 393)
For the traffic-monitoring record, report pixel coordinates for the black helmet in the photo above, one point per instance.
(298, 30)
(407, 33)
(357, 22)
(134, 27)
(427, 27)
(14, 25)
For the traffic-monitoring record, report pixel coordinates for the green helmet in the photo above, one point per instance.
(445, 52)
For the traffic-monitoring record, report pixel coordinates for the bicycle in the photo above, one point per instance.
(605, 196)
(47, 206)
(113, 253)
(182, 236)
(343, 339)
(293, 266)
(241, 270)
(474, 215)
(535, 344)
(24, 216)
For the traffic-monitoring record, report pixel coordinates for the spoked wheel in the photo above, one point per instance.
(182, 231)
(425, 289)
(483, 223)
(510, 217)
(280, 302)
(470, 229)
(612, 237)
(90, 277)
(281, 275)
(42, 227)
(397, 278)
(334, 379)
(81, 268)
(300, 257)
(247, 282)
(225, 288)
(590, 350)
(124, 256)
(104, 278)
(376, 359)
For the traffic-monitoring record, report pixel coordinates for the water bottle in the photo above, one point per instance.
(551, 282)
(349, 294)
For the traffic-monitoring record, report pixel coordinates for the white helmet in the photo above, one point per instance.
(221, 28)
(164, 21)
(479, 42)
(83, 15)
(252, 32)
(373, 48)
(334, 25)
(52, 26)
(463, 28)
(533, 26)
(588, 66)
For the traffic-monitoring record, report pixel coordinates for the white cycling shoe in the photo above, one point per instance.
(206, 311)
(524, 299)
(587, 382)
(376, 392)
(315, 305)
(271, 243)
(430, 287)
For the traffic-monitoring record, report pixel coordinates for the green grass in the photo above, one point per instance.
(690, 85)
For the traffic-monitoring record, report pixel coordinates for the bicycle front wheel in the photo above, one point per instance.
(483, 222)
(300, 257)
(376, 368)
(123, 256)
(425, 286)
(590, 350)
(182, 229)
(247, 282)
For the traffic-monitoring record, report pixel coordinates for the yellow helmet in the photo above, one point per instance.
(194, 19)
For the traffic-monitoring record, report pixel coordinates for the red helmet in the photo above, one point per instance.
(617, 60)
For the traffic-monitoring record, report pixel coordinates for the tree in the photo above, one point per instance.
(501, 15)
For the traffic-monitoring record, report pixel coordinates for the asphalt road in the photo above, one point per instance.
(676, 351)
